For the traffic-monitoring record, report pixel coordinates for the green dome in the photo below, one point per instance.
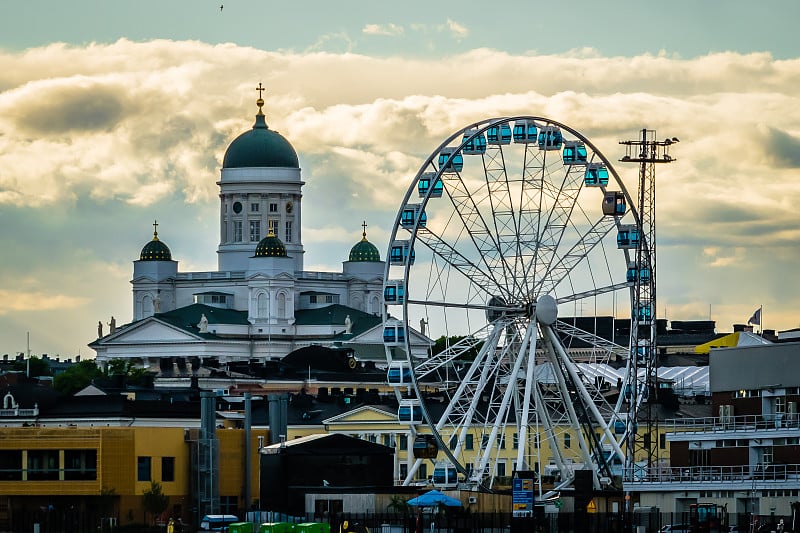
(364, 251)
(260, 147)
(270, 246)
(155, 250)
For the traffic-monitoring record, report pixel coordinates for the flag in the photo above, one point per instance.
(756, 318)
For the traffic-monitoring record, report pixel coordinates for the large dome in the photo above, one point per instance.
(260, 147)
(270, 246)
(155, 250)
(364, 251)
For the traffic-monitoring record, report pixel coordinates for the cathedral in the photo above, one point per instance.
(260, 304)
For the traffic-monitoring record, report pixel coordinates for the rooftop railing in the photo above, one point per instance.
(732, 423)
(721, 474)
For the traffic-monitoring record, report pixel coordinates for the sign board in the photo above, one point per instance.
(522, 494)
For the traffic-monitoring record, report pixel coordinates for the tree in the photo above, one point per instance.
(33, 366)
(153, 499)
(76, 377)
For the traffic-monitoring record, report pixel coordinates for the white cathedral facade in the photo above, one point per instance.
(260, 304)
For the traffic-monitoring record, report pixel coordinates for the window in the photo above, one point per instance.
(229, 504)
(273, 208)
(10, 465)
(43, 465)
(515, 441)
(567, 441)
(422, 473)
(501, 468)
(254, 207)
(768, 456)
(453, 442)
(470, 444)
(80, 465)
(536, 440)
(403, 442)
(662, 441)
(502, 445)
(255, 230)
(484, 441)
(780, 404)
(167, 469)
(403, 470)
(288, 231)
(143, 468)
(237, 231)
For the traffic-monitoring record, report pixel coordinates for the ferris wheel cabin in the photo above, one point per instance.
(426, 181)
(525, 131)
(596, 175)
(628, 237)
(399, 373)
(550, 138)
(399, 253)
(445, 476)
(474, 142)
(394, 333)
(614, 204)
(409, 411)
(394, 292)
(451, 160)
(425, 447)
(643, 273)
(574, 153)
(499, 134)
(409, 216)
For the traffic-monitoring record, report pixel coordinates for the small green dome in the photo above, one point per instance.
(260, 147)
(364, 250)
(155, 250)
(270, 246)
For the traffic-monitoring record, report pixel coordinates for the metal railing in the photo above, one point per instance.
(721, 474)
(733, 423)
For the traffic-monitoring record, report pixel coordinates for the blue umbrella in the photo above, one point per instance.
(434, 497)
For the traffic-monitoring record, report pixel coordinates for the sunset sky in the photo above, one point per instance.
(114, 114)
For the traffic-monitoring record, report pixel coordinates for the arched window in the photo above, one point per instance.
(375, 306)
(281, 305)
(147, 306)
(262, 303)
(356, 302)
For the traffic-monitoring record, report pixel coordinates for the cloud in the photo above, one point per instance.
(97, 141)
(458, 30)
(389, 29)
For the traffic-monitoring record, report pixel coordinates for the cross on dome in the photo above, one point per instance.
(260, 101)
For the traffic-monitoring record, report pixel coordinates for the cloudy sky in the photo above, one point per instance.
(113, 114)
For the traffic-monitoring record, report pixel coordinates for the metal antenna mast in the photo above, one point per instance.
(647, 151)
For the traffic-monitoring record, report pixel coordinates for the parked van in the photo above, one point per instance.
(217, 522)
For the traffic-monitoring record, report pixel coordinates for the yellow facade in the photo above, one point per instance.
(104, 469)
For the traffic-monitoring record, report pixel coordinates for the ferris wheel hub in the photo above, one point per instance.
(546, 310)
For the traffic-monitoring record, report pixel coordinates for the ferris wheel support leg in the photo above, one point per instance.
(507, 395)
(529, 351)
(562, 386)
(587, 399)
(549, 431)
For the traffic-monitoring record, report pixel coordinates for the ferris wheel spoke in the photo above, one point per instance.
(577, 253)
(561, 196)
(481, 279)
(473, 217)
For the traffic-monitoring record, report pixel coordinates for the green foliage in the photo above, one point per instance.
(397, 504)
(77, 377)
(153, 499)
(38, 367)
(125, 367)
(442, 343)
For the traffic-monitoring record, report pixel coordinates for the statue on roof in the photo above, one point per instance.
(112, 326)
(99, 329)
(203, 325)
(348, 324)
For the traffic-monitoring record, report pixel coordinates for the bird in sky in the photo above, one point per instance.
(221, 6)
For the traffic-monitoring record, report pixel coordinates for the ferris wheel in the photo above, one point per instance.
(514, 232)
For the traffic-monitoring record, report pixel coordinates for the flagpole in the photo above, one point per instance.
(761, 321)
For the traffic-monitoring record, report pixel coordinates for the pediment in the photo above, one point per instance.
(260, 276)
(366, 414)
(148, 331)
